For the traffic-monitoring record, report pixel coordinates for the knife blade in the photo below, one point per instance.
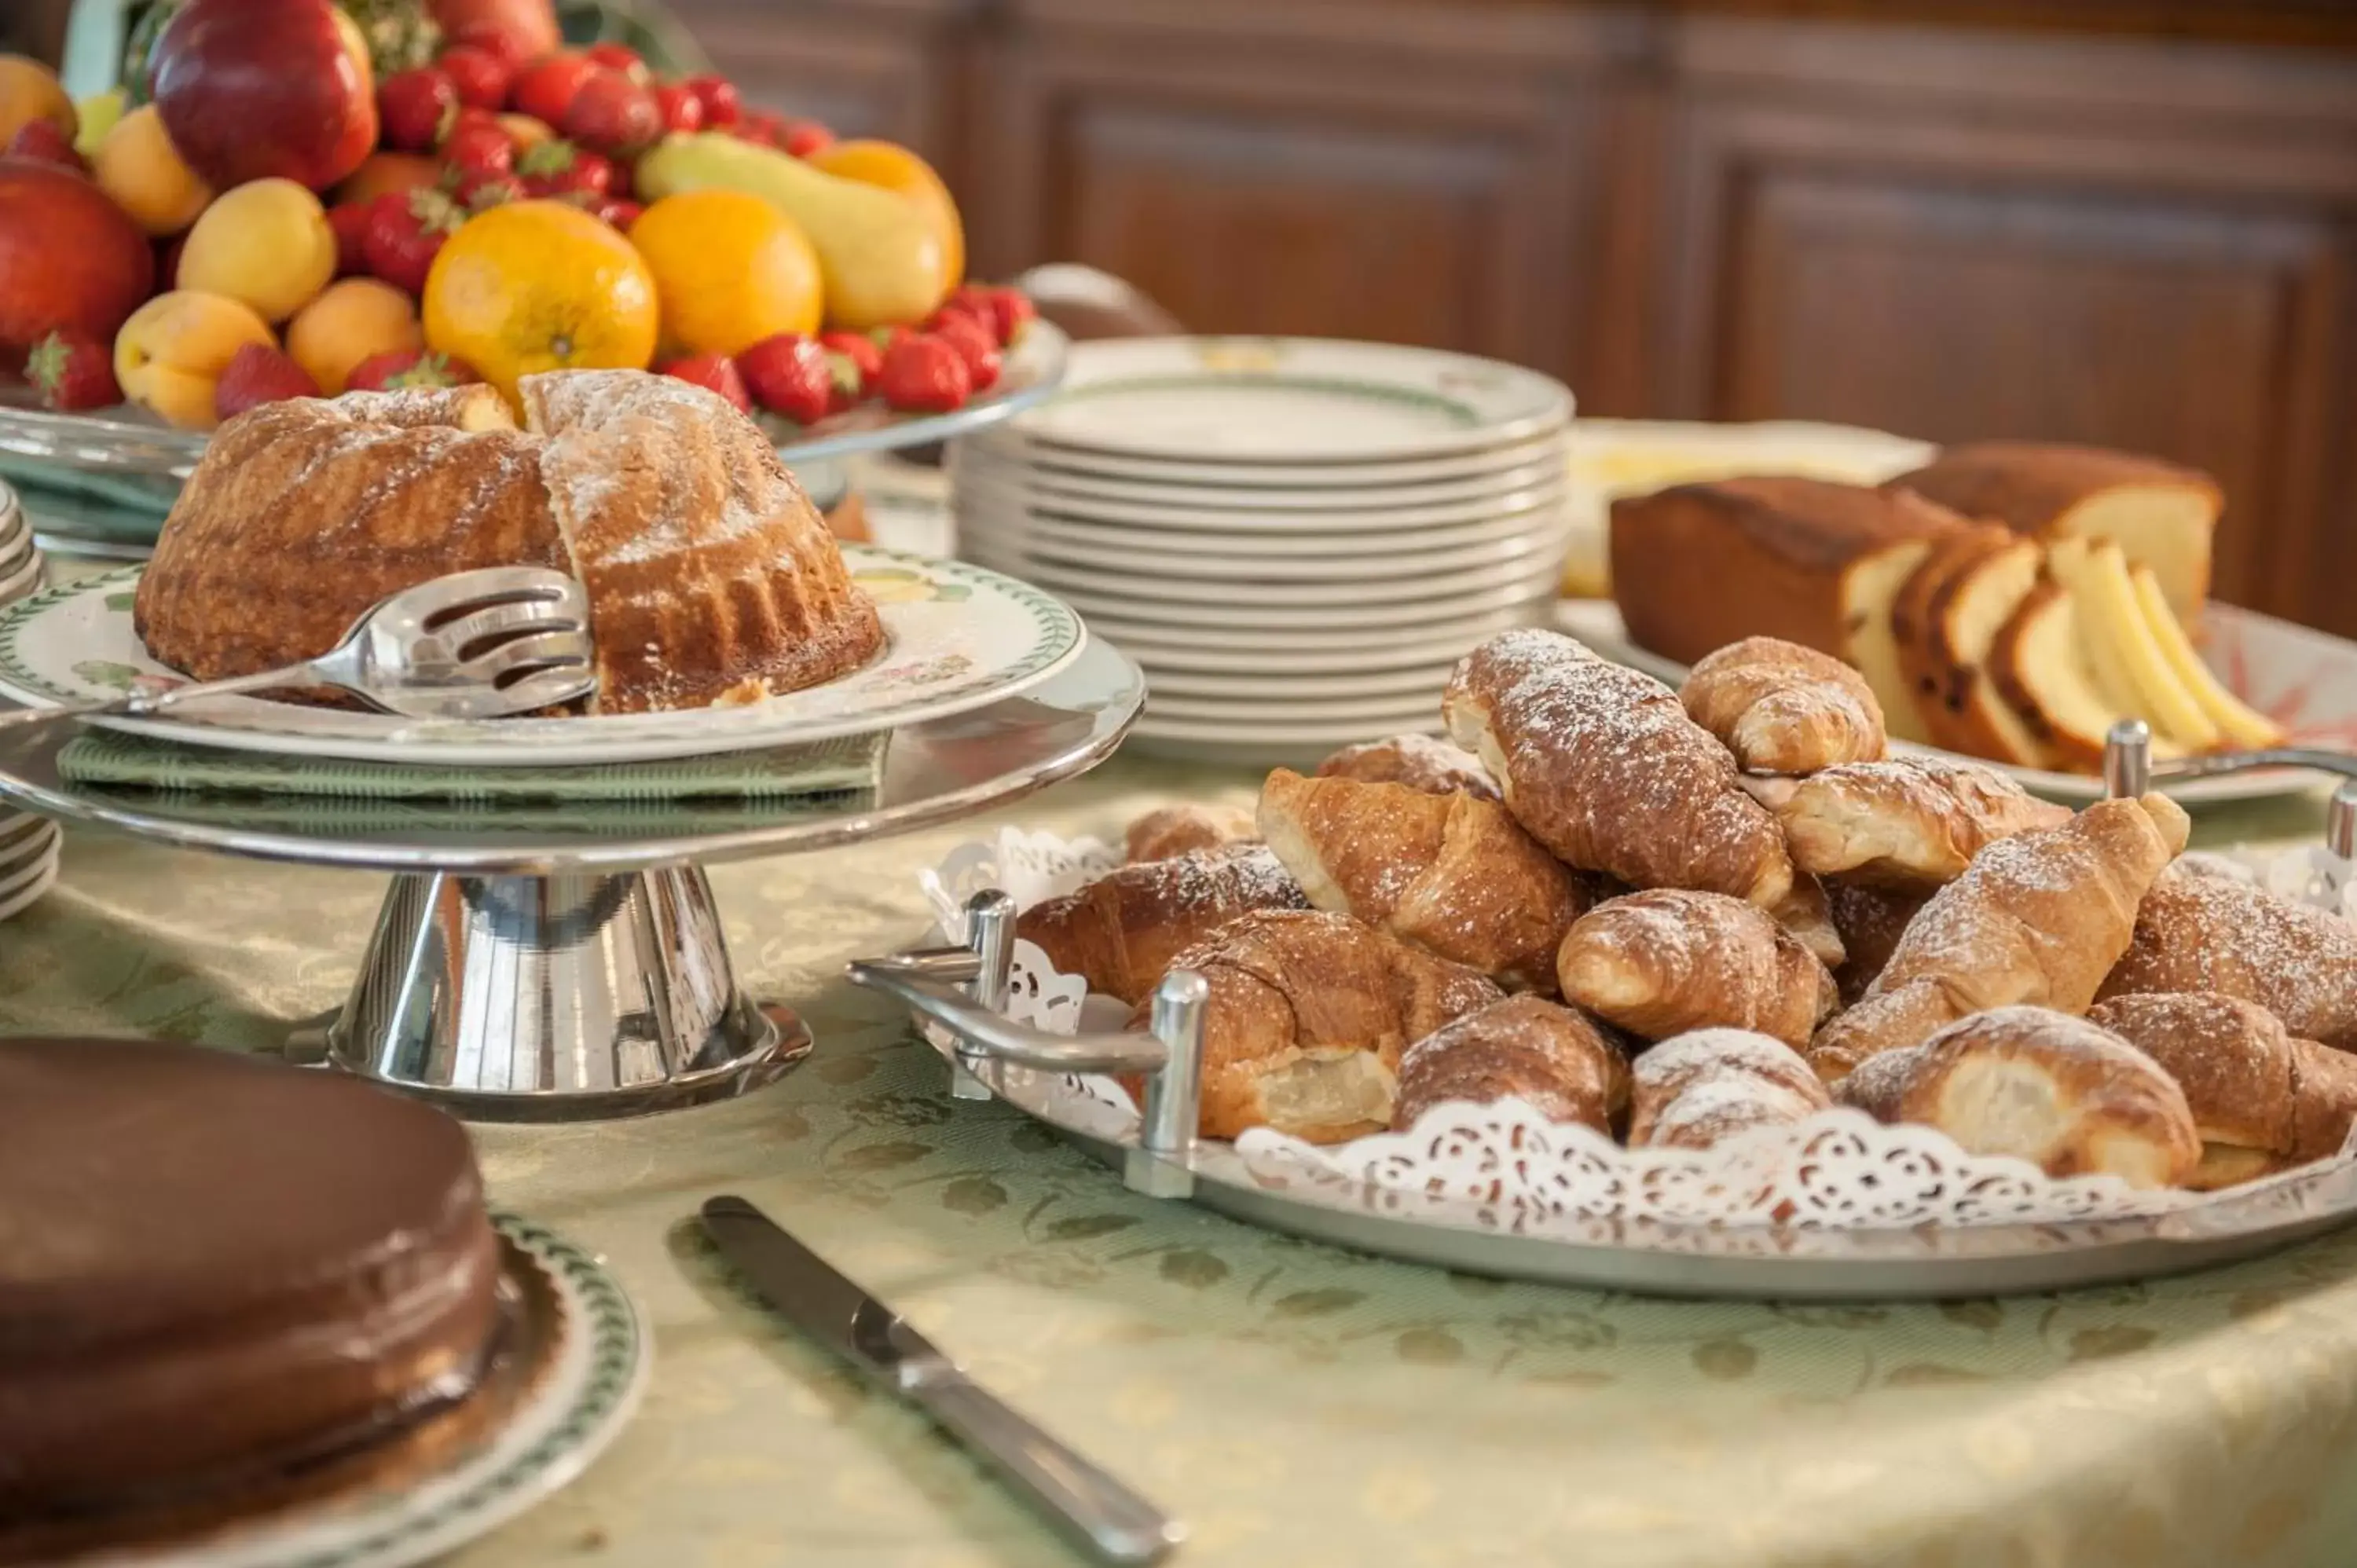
(1101, 1515)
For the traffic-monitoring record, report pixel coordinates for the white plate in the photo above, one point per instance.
(991, 517)
(15, 828)
(19, 902)
(597, 1373)
(18, 875)
(2304, 680)
(1163, 649)
(20, 581)
(1540, 536)
(1216, 483)
(1174, 596)
(1295, 685)
(1290, 400)
(1387, 713)
(1397, 485)
(959, 637)
(1399, 628)
(1232, 522)
(1291, 734)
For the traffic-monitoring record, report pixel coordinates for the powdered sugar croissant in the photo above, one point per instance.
(1662, 962)
(1784, 708)
(1602, 765)
(1908, 821)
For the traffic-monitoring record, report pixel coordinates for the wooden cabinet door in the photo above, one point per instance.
(1403, 173)
(2094, 241)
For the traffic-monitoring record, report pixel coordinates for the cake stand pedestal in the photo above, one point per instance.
(531, 965)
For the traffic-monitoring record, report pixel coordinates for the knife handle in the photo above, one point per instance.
(1113, 1521)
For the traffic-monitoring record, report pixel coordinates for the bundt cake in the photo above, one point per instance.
(711, 578)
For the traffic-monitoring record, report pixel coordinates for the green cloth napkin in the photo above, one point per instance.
(118, 508)
(832, 771)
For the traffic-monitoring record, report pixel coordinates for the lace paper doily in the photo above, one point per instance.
(1512, 1169)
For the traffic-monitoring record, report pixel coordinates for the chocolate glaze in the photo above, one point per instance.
(209, 1263)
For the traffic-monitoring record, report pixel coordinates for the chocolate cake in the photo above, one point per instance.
(213, 1267)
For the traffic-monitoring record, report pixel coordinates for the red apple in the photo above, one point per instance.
(262, 89)
(70, 258)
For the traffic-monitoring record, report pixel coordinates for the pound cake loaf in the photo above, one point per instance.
(213, 1267)
(1696, 567)
(712, 580)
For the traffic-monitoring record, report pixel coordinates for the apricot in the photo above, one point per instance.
(380, 173)
(29, 91)
(173, 350)
(354, 320)
(138, 166)
(266, 243)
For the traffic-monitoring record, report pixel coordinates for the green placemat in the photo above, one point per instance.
(829, 771)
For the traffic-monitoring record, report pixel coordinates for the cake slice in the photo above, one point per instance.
(2112, 618)
(2162, 515)
(2242, 726)
(1968, 609)
(1910, 624)
(1696, 567)
(2040, 669)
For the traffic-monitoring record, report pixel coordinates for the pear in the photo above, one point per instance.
(878, 259)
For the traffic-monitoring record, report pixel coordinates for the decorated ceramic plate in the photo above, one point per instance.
(2305, 681)
(565, 1384)
(1244, 400)
(958, 637)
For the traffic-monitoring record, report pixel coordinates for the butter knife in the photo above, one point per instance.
(1103, 1517)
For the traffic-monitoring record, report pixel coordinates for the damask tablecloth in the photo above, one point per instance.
(1298, 1406)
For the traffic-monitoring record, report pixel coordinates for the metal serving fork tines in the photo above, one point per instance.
(474, 645)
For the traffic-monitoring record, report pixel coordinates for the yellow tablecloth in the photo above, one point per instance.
(1297, 1405)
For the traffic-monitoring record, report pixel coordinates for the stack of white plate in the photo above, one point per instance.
(1296, 539)
(29, 844)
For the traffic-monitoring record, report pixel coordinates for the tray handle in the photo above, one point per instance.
(2129, 770)
(962, 988)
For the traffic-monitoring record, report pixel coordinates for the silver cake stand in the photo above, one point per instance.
(534, 962)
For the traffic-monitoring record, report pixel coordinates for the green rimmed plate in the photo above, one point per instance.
(958, 637)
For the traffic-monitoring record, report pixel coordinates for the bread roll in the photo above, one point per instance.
(1119, 932)
(1665, 962)
(1909, 823)
(1523, 1048)
(2203, 934)
(1699, 1089)
(1783, 708)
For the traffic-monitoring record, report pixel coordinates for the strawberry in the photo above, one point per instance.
(545, 90)
(718, 95)
(681, 109)
(888, 339)
(479, 146)
(481, 77)
(761, 128)
(477, 192)
(619, 213)
(257, 374)
(924, 375)
(406, 230)
(494, 40)
(620, 58)
(972, 338)
(415, 108)
(555, 168)
(613, 114)
(857, 360)
(1006, 311)
(713, 373)
(409, 368)
(42, 141)
(349, 219)
(789, 374)
(803, 138)
(73, 371)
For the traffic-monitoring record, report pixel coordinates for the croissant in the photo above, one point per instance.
(2261, 1100)
(1453, 875)
(1170, 832)
(1694, 1091)
(2039, 919)
(1784, 708)
(2057, 1091)
(1870, 920)
(1602, 765)
(1419, 761)
(1908, 821)
(1307, 1017)
(1807, 912)
(2205, 933)
(1524, 1048)
(1662, 962)
(1119, 932)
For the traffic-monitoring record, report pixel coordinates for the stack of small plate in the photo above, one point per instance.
(1296, 539)
(29, 844)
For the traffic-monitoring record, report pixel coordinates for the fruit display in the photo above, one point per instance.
(296, 197)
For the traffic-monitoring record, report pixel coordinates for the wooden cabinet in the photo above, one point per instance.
(2018, 220)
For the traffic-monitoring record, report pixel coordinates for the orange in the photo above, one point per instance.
(540, 286)
(895, 168)
(731, 270)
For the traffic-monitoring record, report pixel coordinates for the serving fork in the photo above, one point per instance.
(474, 645)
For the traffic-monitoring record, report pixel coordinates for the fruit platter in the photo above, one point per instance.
(279, 202)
